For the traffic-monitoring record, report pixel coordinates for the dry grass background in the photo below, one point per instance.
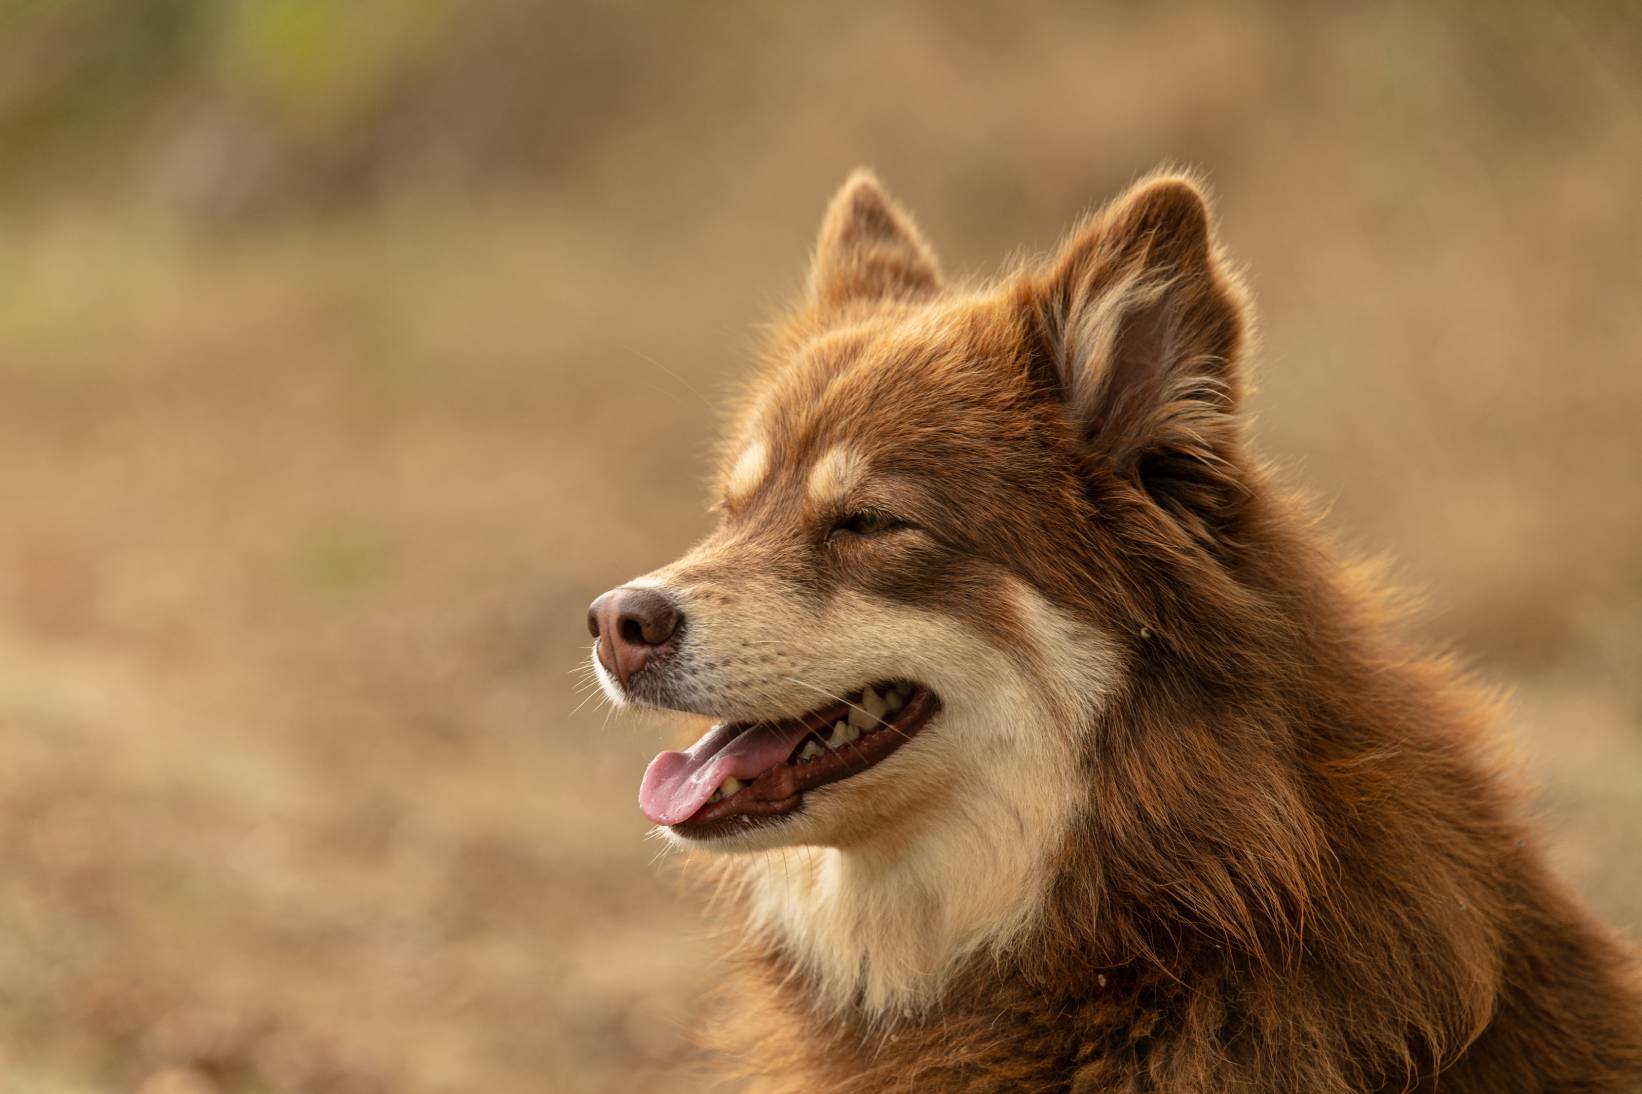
(346, 351)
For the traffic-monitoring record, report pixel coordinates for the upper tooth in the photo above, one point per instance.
(842, 734)
(873, 705)
(893, 702)
(903, 689)
(731, 785)
(860, 719)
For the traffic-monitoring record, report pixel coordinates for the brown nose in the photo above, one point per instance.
(632, 626)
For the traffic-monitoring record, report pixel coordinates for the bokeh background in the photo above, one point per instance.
(348, 349)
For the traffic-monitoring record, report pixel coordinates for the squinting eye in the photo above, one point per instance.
(866, 523)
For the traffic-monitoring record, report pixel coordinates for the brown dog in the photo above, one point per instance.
(1057, 751)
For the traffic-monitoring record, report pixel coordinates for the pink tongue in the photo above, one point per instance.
(676, 784)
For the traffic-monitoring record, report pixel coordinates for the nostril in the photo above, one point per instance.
(647, 618)
(668, 625)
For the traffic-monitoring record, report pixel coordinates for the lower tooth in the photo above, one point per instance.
(811, 750)
(730, 786)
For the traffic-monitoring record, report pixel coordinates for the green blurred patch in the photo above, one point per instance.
(81, 79)
(319, 60)
(69, 68)
(344, 560)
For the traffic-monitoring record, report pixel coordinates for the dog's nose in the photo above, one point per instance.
(632, 626)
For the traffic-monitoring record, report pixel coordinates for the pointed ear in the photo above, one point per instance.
(869, 250)
(1142, 325)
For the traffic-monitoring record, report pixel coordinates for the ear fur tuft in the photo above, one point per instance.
(869, 250)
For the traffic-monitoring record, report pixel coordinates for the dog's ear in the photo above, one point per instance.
(869, 250)
(1140, 325)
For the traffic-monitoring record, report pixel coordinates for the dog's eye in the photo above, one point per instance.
(867, 522)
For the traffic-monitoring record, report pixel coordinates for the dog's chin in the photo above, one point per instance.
(807, 826)
(761, 784)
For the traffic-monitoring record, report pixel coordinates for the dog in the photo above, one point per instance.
(1054, 748)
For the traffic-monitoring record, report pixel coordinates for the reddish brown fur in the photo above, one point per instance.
(1296, 868)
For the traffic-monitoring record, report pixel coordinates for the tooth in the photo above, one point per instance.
(840, 735)
(874, 706)
(730, 786)
(903, 689)
(811, 750)
(860, 719)
(893, 702)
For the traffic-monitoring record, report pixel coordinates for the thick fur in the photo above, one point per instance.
(1194, 818)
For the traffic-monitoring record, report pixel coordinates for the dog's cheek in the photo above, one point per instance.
(972, 593)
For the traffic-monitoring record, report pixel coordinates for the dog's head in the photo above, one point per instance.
(945, 520)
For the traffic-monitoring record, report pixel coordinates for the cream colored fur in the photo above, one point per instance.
(839, 470)
(748, 471)
(889, 879)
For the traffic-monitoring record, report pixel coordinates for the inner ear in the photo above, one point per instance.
(870, 250)
(1133, 372)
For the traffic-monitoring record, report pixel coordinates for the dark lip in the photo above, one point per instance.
(778, 794)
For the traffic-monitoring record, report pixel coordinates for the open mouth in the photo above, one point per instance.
(739, 772)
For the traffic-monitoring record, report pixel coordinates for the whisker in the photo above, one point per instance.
(830, 695)
(691, 387)
(588, 698)
(875, 717)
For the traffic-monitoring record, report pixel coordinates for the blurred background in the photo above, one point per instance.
(348, 350)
